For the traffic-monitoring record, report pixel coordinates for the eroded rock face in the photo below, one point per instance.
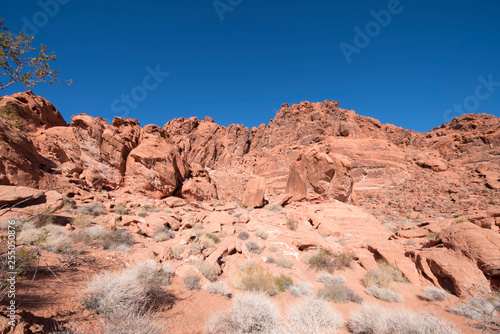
(156, 165)
(29, 112)
(320, 175)
(479, 244)
(104, 148)
(254, 193)
(452, 271)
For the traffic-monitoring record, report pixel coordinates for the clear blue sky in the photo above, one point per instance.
(265, 53)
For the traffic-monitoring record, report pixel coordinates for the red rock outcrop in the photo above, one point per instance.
(155, 165)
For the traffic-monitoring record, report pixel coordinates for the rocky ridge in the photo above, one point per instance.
(427, 203)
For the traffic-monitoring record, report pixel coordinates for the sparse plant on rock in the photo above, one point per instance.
(252, 247)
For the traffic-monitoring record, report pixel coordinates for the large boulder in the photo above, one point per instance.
(479, 244)
(198, 189)
(318, 175)
(254, 193)
(155, 166)
(452, 271)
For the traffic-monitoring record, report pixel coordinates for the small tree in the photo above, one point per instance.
(18, 66)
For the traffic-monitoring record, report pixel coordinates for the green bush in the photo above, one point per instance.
(283, 282)
(258, 279)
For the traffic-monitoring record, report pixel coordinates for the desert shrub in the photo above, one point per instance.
(93, 209)
(273, 248)
(130, 291)
(329, 278)
(270, 259)
(117, 240)
(284, 262)
(26, 262)
(387, 295)
(212, 237)
(219, 288)
(252, 247)
(162, 234)
(177, 252)
(243, 235)
(435, 294)
(291, 224)
(192, 282)
(371, 318)
(44, 219)
(338, 293)
(313, 316)
(261, 234)
(195, 248)
(197, 233)
(135, 323)
(250, 313)
(274, 208)
(50, 237)
(483, 309)
(167, 268)
(206, 242)
(5, 223)
(301, 289)
(323, 259)
(121, 209)
(283, 282)
(383, 276)
(258, 279)
(198, 226)
(82, 221)
(432, 235)
(209, 270)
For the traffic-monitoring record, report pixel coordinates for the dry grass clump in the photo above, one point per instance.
(243, 235)
(192, 282)
(177, 252)
(210, 270)
(435, 294)
(283, 262)
(92, 209)
(301, 289)
(117, 240)
(384, 294)
(291, 224)
(135, 323)
(219, 288)
(251, 313)
(195, 248)
(323, 259)
(313, 316)
(339, 294)
(383, 276)
(253, 247)
(256, 278)
(130, 291)
(329, 278)
(53, 238)
(261, 234)
(121, 209)
(483, 309)
(371, 318)
(162, 234)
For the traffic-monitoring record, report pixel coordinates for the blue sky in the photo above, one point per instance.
(424, 64)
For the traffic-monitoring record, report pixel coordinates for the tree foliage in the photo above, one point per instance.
(16, 64)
